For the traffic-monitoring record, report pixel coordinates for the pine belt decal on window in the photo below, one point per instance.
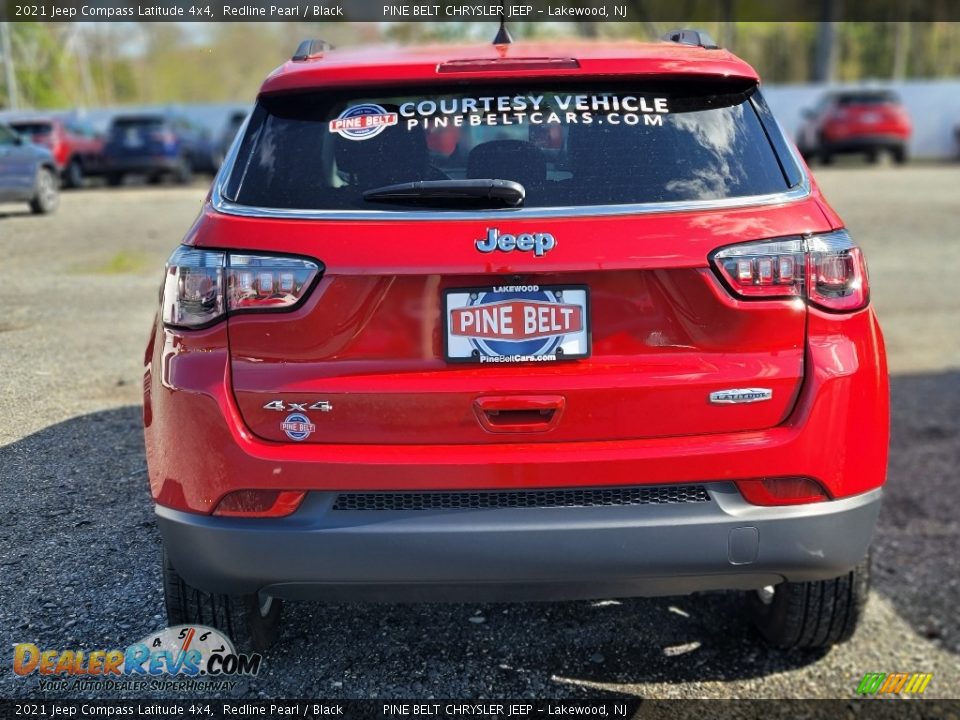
(534, 110)
(362, 122)
(367, 120)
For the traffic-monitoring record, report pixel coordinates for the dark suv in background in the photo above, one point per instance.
(857, 121)
(156, 145)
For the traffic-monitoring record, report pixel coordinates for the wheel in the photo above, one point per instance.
(825, 157)
(815, 614)
(155, 179)
(184, 172)
(873, 157)
(47, 195)
(73, 174)
(115, 179)
(250, 622)
(899, 155)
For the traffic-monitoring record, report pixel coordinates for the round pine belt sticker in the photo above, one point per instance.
(297, 427)
(362, 122)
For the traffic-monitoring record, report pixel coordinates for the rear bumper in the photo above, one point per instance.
(142, 164)
(861, 143)
(521, 553)
(199, 449)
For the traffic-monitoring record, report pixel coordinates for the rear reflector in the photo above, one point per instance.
(781, 491)
(259, 503)
(829, 270)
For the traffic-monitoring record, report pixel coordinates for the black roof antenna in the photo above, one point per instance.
(503, 35)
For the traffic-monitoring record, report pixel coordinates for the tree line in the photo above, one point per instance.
(59, 65)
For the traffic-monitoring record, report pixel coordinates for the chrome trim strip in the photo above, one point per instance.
(228, 207)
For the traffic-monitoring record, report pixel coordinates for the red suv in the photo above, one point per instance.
(76, 147)
(867, 122)
(516, 322)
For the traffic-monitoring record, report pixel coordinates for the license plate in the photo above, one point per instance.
(132, 139)
(516, 323)
(870, 118)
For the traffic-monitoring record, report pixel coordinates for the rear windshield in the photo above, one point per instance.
(867, 98)
(567, 146)
(122, 124)
(32, 128)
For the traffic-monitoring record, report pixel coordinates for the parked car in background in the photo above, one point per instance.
(76, 148)
(868, 122)
(207, 157)
(234, 123)
(154, 144)
(28, 173)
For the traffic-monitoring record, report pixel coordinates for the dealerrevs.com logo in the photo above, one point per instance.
(185, 657)
(898, 683)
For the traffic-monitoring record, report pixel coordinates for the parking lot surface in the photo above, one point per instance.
(79, 549)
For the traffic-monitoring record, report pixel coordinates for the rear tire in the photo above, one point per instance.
(250, 623)
(73, 176)
(115, 179)
(184, 172)
(899, 155)
(47, 194)
(815, 614)
(825, 157)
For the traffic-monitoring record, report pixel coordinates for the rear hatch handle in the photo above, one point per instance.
(519, 413)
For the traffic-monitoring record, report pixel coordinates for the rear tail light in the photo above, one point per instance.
(829, 270)
(782, 491)
(259, 503)
(203, 286)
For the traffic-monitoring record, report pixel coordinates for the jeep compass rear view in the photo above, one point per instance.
(527, 322)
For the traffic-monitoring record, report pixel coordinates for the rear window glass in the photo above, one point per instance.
(567, 145)
(33, 128)
(121, 125)
(867, 98)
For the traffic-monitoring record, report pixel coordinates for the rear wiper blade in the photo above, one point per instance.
(476, 191)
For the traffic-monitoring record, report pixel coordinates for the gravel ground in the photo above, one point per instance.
(79, 547)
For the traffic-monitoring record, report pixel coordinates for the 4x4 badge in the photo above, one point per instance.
(281, 406)
(538, 243)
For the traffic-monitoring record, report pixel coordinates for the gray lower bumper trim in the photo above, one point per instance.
(529, 553)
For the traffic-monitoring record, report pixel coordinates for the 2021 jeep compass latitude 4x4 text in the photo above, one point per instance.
(516, 322)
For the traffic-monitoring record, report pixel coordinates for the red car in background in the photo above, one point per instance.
(856, 121)
(77, 149)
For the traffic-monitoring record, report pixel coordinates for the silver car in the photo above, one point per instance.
(28, 173)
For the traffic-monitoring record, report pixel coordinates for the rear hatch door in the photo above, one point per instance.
(591, 313)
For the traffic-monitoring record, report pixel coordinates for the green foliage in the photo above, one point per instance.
(89, 64)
